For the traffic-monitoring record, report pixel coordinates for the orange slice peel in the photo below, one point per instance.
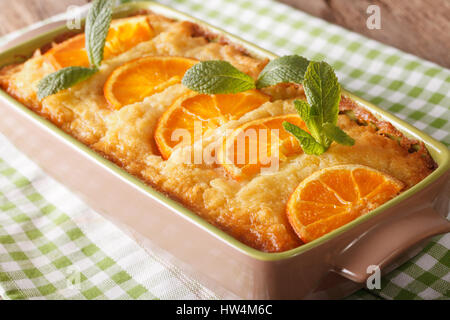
(143, 77)
(201, 112)
(123, 35)
(259, 146)
(335, 196)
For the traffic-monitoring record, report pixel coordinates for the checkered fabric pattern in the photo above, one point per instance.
(53, 246)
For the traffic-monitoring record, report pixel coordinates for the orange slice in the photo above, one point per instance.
(334, 196)
(69, 53)
(123, 35)
(140, 78)
(205, 112)
(258, 144)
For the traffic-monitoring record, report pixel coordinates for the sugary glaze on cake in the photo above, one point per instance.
(252, 210)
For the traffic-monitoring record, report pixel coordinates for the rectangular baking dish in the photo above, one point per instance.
(332, 266)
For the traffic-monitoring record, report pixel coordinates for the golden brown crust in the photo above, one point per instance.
(253, 210)
(364, 117)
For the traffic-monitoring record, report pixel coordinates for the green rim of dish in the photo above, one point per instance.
(437, 150)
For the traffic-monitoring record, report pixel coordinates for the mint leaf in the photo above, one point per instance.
(302, 108)
(335, 133)
(62, 79)
(310, 119)
(97, 26)
(283, 69)
(307, 142)
(322, 91)
(216, 76)
(320, 113)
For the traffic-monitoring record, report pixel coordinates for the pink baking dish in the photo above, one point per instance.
(332, 266)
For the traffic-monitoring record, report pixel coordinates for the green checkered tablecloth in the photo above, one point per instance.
(53, 246)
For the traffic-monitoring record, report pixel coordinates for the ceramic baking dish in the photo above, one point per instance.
(332, 266)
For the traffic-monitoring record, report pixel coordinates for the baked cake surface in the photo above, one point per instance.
(251, 210)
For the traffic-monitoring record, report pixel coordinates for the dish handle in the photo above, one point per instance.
(381, 246)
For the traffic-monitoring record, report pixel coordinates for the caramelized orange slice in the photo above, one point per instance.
(202, 112)
(140, 78)
(332, 197)
(123, 35)
(259, 144)
(71, 52)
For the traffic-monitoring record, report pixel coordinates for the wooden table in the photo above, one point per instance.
(415, 26)
(16, 14)
(421, 27)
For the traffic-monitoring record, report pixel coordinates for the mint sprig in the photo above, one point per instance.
(333, 132)
(97, 26)
(320, 113)
(322, 90)
(63, 79)
(217, 76)
(281, 70)
(308, 143)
